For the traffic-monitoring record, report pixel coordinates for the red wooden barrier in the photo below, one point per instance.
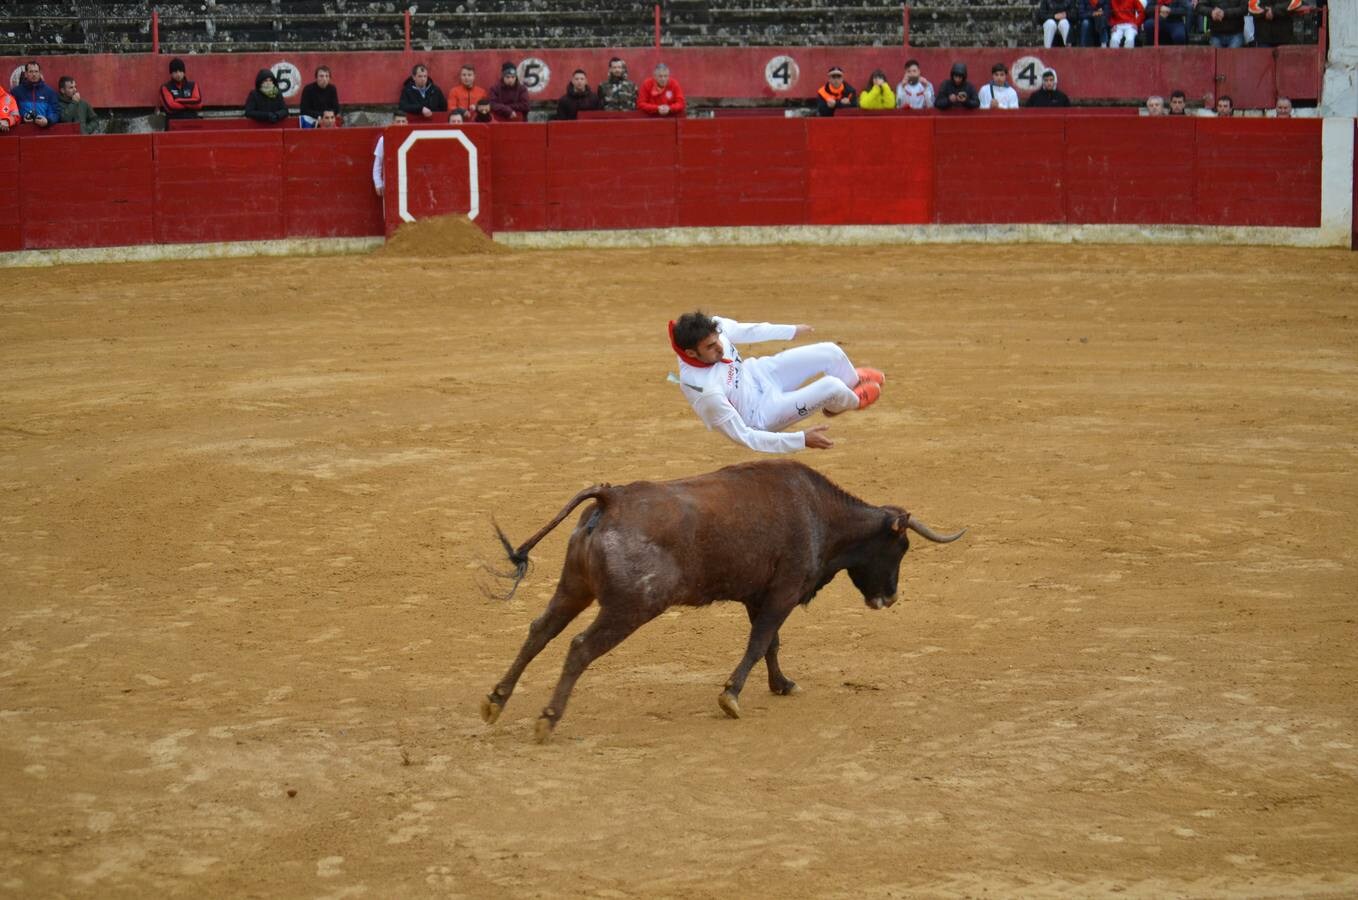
(327, 183)
(83, 191)
(11, 216)
(28, 129)
(219, 186)
(612, 175)
(229, 123)
(438, 173)
(991, 169)
(1258, 172)
(1130, 171)
(870, 171)
(519, 177)
(742, 172)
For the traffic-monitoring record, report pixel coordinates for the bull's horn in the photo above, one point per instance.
(919, 527)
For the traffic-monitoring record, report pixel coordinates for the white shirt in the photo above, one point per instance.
(918, 96)
(1007, 96)
(377, 162)
(726, 395)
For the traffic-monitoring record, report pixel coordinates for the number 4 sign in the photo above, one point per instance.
(1026, 73)
(781, 73)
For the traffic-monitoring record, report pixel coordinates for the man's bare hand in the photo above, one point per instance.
(803, 330)
(817, 439)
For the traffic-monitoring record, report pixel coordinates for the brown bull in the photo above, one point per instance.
(765, 534)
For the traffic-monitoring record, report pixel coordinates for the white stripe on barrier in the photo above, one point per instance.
(445, 134)
(1336, 180)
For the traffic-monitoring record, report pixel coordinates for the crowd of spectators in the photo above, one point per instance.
(1128, 23)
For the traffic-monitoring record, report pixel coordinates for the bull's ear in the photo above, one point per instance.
(899, 522)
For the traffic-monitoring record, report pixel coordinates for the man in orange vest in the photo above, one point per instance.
(835, 93)
(9, 111)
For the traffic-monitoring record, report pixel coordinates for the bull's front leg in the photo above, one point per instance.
(764, 627)
(779, 683)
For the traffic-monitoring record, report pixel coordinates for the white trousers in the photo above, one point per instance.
(1051, 27)
(785, 401)
(1123, 35)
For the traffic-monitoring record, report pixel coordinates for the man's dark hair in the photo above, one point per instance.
(325, 69)
(691, 328)
(616, 59)
(579, 72)
(1227, 98)
(1180, 94)
(34, 63)
(911, 62)
(415, 69)
(63, 81)
(468, 67)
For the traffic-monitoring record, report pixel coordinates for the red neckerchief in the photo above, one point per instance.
(685, 358)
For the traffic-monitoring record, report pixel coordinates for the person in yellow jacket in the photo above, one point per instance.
(9, 111)
(879, 95)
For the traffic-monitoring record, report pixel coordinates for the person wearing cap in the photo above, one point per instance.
(998, 94)
(661, 95)
(835, 94)
(915, 91)
(508, 97)
(879, 94)
(1047, 96)
(179, 97)
(958, 93)
(420, 97)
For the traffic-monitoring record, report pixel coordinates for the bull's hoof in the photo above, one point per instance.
(729, 704)
(786, 689)
(543, 732)
(491, 707)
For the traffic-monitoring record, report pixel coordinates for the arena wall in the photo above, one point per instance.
(1271, 181)
(1253, 77)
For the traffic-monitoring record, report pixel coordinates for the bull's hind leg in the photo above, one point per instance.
(778, 682)
(603, 634)
(571, 599)
(764, 626)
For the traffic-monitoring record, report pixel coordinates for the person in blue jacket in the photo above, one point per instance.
(38, 103)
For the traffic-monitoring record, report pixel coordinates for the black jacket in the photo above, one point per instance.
(570, 104)
(316, 100)
(942, 91)
(1041, 99)
(413, 100)
(262, 108)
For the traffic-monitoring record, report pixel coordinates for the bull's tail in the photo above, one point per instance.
(518, 557)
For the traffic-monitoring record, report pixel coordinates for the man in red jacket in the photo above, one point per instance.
(179, 97)
(9, 110)
(661, 95)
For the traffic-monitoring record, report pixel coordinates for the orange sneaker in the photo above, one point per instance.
(874, 376)
(867, 394)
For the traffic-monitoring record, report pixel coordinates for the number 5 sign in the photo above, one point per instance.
(781, 73)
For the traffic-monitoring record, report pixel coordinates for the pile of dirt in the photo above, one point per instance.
(439, 236)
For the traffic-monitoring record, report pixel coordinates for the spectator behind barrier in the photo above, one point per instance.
(835, 94)
(1283, 108)
(466, 92)
(266, 103)
(73, 109)
(328, 119)
(879, 94)
(998, 94)
(508, 97)
(1225, 22)
(1094, 16)
(958, 93)
(1173, 18)
(1055, 17)
(915, 91)
(379, 152)
(317, 97)
(483, 112)
(1178, 103)
(578, 96)
(179, 97)
(1155, 106)
(38, 103)
(1124, 21)
(661, 95)
(420, 97)
(1273, 21)
(9, 111)
(1047, 96)
(458, 116)
(1225, 107)
(617, 94)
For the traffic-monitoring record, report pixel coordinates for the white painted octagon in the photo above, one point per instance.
(441, 134)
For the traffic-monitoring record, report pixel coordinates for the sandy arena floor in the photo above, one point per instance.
(246, 504)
